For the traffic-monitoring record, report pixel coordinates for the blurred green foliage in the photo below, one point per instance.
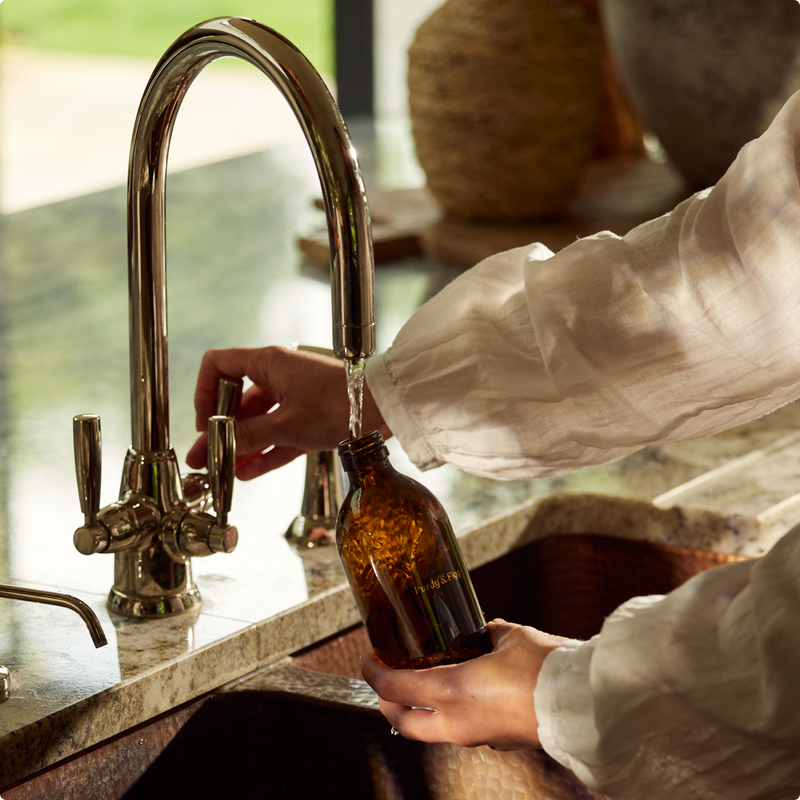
(147, 27)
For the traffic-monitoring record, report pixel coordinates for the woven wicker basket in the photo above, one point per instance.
(504, 97)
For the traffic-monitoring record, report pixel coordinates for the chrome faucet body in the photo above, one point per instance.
(160, 520)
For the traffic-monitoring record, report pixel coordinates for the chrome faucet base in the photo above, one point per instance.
(156, 580)
(159, 522)
(154, 475)
(158, 605)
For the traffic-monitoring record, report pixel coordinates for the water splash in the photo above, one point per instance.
(355, 393)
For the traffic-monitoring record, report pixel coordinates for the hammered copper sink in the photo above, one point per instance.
(310, 728)
(266, 743)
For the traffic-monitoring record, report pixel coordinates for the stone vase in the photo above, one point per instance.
(705, 76)
(504, 98)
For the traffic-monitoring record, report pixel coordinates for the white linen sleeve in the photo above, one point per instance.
(532, 363)
(693, 695)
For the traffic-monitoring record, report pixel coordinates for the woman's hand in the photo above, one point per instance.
(298, 402)
(488, 700)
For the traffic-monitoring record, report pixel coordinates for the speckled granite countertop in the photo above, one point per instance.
(236, 278)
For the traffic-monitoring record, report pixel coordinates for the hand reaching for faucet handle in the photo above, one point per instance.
(298, 402)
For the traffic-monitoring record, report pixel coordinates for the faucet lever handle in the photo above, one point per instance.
(221, 464)
(88, 464)
(229, 396)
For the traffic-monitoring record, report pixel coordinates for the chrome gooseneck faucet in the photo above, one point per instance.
(160, 520)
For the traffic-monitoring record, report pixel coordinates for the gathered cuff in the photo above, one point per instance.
(564, 706)
(397, 415)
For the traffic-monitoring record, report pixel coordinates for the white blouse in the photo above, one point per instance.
(533, 363)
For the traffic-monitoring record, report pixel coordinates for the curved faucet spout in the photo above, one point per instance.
(352, 268)
(62, 600)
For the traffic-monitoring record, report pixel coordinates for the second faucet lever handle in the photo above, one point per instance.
(222, 446)
(221, 464)
(229, 396)
(88, 464)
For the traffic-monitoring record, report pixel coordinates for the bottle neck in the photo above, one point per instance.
(367, 452)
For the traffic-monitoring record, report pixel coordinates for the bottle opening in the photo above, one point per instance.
(364, 450)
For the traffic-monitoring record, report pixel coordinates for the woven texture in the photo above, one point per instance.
(504, 97)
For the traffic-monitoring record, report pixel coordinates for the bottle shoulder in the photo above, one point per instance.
(392, 490)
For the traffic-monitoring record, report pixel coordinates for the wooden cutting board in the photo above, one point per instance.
(399, 218)
(615, 196)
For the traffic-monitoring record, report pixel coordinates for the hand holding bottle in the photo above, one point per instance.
(488, 700)
(298, 402)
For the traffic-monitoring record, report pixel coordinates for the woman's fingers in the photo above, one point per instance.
(256, 450)
(298, 403)
(397, 690)
(418, 724)
(488, 700)
(216, 364)
(403, 687)
(197, 456)
(254, 466)
(255, 401)
(406, 687)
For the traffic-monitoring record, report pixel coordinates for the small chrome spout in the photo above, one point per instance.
(323, 494)
(160, 520)
(62, 600)
(52, 599)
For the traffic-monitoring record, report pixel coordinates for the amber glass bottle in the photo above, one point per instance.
(404, 564)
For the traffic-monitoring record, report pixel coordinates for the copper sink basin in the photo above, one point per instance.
(564, 584)
(310, 728)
